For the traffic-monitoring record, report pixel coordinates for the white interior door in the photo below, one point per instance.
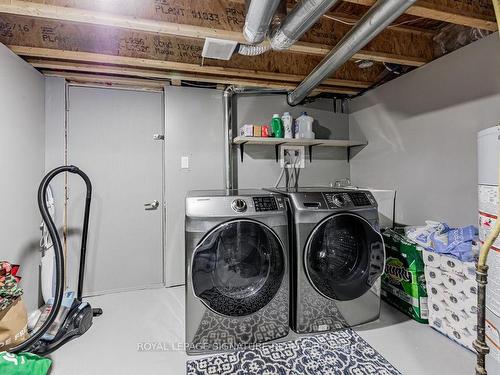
(110, 137)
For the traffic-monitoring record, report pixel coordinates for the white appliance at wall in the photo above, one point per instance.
(386, 201)
(488, 154)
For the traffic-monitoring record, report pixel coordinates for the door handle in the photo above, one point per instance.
(152, 206)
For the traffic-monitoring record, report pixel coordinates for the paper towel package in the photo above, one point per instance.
(403, 283)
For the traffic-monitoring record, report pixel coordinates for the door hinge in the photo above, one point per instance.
(158, 137)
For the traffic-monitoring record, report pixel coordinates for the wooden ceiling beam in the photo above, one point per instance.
(91, 17)
(221, 72)
(55, 36)
(467, 13)
(112, 80)
(108, 80)
(404, 28)
(66, 67)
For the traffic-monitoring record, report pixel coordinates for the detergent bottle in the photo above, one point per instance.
(277, 126)
(304, 125)
(287, 124)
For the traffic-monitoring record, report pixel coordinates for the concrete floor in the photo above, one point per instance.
(157, 316)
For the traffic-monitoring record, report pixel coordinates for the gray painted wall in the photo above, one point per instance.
(259, 168)
(54, 139)
(194, 129)
(22, 167)
(422, 133)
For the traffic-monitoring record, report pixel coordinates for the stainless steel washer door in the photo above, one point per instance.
(344, 256)
(238, 267)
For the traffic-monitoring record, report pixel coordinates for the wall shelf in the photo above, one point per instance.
(276, 142)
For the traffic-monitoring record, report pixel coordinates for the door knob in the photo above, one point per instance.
(152, 206)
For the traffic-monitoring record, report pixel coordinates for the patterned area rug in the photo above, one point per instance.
(341, 352)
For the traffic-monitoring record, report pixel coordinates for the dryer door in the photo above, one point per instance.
(344, 256)
(238, 267)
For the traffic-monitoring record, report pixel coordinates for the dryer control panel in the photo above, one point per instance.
(269, 203)
(348, 199)
(336, 200)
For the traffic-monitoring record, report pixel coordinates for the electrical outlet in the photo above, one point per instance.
(292, 155)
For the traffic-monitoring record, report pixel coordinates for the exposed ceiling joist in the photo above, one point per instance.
(65, 68)
(55, 36)
(415, 44)
(460, 12)
(109, 80)
(336, 85)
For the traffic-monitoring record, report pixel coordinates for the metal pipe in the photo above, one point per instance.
(380, 15)
(258, 19)
(228, 136)
(228, 118)
(300, 19)
(480, 343)
(258, 91)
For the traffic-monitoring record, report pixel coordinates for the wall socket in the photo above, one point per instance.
(292, 154)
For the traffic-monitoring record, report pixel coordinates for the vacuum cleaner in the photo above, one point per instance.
(80, 315)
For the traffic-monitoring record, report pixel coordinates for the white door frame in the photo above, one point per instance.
(163, 177)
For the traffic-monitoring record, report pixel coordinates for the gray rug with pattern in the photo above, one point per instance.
(340, 352)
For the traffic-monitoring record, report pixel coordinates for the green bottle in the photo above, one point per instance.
(277, 126)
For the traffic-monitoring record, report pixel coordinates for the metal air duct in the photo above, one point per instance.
(258, 19)
(380, 15)
(301, 18)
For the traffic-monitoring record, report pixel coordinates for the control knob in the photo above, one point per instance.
(339, 201)
(239, 205)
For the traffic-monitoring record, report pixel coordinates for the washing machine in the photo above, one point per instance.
(237, 280)
(337, 258)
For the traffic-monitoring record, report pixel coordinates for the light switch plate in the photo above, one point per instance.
(185, 162)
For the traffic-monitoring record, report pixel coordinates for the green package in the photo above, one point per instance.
(23, 364)
(403, 283)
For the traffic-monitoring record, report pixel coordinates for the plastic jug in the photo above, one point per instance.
(277, 126)
(304, 124)
(287, 124)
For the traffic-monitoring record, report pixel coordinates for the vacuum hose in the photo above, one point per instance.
(58, 252)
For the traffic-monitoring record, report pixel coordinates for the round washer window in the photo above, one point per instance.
(343, 257)
(238, 267)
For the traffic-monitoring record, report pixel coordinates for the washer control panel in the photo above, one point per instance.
(268, 203)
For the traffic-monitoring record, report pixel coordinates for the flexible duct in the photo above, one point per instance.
(300, 19)
(258, 19)
(250, 50)
(380, 15)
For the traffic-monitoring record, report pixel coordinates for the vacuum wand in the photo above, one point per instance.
(58, 252)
